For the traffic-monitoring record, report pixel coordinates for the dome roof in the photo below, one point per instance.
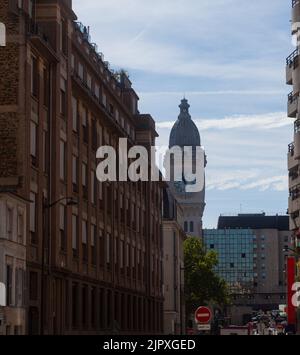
(184, 132)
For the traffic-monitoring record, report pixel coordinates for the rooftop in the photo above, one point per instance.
(254, 221)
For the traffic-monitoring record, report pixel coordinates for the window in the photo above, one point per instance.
(186, 227)
(63, 98)
(33, 209)
(72, 61)
(93, 246)
(20, 281)
(34, 76)
(84, 125)
(75, 173)
(20, 228)
(89, 81)
(62, 160)
(192, 227)
(80, 71)
(62, 223)
(93, 192)
(84, 302)
(64, 37)
(9, 272)
(102, 250)
(33, 286)
(97, 91)
(9, 223)
(75, 235)
(84, 180)
(45, 153)
(33, 142)
(75, 114)
(108, 243)
(84, 241)
(74, 305)
(122, 255)
(46, 87)
(104, 100)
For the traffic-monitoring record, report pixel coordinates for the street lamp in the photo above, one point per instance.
(70, 202)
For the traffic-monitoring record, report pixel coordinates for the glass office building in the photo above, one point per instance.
(235, 249)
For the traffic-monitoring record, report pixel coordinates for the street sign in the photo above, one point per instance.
(203, 315)
(204, 327)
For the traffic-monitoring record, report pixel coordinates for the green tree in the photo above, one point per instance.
(202, 285)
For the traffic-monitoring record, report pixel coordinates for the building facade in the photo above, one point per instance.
(186, 134)
(173, 237)
(93, 250)
(293, 108)
(235, 255)
(257, 242)
(13, 264)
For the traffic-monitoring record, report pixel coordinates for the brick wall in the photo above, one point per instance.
(9, 83)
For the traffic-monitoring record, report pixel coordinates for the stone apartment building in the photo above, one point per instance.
(93, 250)
(174, 237)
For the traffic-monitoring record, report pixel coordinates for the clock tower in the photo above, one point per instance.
(186, 134)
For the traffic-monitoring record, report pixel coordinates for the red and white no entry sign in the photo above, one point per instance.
(203, 315)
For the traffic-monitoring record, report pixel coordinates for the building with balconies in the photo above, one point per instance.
(293, 78)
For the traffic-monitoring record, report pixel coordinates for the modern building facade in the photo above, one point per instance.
(186, 134)
(259, 242)
(236, 257)
(173, 237)
(93, 250)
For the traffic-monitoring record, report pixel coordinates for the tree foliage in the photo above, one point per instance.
(202, 285)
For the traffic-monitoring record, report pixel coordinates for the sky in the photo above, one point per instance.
(228, 58)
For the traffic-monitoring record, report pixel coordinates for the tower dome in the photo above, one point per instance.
(184, 132)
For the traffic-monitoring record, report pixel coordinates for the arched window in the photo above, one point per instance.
(192, 227)
(2, 35)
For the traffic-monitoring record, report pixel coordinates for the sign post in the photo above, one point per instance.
(203, 318)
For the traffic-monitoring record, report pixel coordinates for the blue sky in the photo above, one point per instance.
(228, 58)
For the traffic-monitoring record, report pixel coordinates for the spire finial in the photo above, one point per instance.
(184, 109)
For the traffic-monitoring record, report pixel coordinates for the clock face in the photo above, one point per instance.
(180, 186)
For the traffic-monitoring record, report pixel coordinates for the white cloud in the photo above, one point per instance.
(187, 39)
(255, 122)
(239, 160)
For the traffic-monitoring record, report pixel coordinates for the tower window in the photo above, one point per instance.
(186, 227)
(192, 227)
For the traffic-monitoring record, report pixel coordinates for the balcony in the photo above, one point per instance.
(294, 201)
(295, 16)
(41, 41)
(292, 107)
(291, 64)
(292, 162)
